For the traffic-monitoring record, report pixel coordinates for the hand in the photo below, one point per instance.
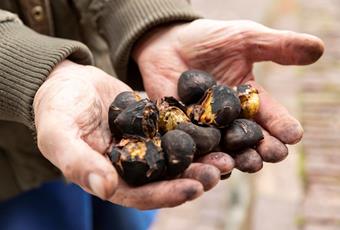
(228, 50)
(71, 109)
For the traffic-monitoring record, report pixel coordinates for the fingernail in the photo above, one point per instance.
(96, 184)
(225, 176)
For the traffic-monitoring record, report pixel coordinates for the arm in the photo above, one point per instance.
(26, 59)
(123, 22)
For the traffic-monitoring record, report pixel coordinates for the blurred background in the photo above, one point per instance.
(303, 191)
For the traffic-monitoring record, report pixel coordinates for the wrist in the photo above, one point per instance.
(162, 35)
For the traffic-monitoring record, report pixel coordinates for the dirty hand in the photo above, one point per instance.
(228, 50)
(71, 109)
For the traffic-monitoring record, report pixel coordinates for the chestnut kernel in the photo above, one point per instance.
(170, 114)
(250, 100)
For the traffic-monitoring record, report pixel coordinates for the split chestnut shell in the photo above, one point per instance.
(138, 161)
(138, 119)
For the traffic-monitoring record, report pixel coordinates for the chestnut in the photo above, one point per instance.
(179, 150)
(219, 107)
(121, 101)
(126, 98)
(205, 138)
(138, 119)
(192, 84)
(242, 133)
(138, 161)
(250, 100)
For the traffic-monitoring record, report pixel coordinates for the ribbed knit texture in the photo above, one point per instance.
(26, 59)
(123, 22)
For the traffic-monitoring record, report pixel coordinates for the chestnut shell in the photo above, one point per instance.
(139, 119)
(121, 101)
(192, 85)
(219, 107)
(138, 170)
(242, 133)
(179, 149)
(205, 138)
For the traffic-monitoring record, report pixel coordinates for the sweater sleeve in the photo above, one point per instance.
(26, 59)
(123, 22)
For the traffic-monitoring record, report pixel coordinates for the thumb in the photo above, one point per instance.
(283, 47)
(78, 162)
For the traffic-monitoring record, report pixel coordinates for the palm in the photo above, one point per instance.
(227, 50)
(73, 133)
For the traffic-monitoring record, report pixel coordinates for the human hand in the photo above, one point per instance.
(228, 50)
(71, 118)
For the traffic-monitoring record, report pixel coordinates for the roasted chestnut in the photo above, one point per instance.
(219, 107)
(138, 119)
(138, 161)
(192, 84)
(242, 133)
(250, 100)
(179, 149)
(121, 101)
(205, 138)
(170, 114)
(126, 98)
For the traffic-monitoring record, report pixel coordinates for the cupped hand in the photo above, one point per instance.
(228, 50)
(71, 119)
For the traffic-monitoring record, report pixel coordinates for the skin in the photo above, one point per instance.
(71, 105)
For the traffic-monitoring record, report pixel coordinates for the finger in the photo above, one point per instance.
(275, 118)
(158, 195)
(283, 47)
(248, 161)
(207, 175)
(220, 160)
(79, 162)
(271, 149)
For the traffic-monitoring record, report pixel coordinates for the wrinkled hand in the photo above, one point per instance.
(71, 109)
(228, 50)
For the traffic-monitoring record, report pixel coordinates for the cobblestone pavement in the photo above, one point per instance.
(302, 192)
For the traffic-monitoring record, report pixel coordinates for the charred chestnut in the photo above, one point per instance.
(192, 84)
(179, 150)
(126, 98)
(219, 107)
(170, 114)
(121, 101)
(138, 161)
(138, 119)
(242, 133)
(205, 138)
(250, 100)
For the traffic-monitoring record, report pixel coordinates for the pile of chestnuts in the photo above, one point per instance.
(159, 140)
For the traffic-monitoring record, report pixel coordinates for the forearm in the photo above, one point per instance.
(123, 22)
(26, 59)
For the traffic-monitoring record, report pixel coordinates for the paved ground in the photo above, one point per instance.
(303, 192)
